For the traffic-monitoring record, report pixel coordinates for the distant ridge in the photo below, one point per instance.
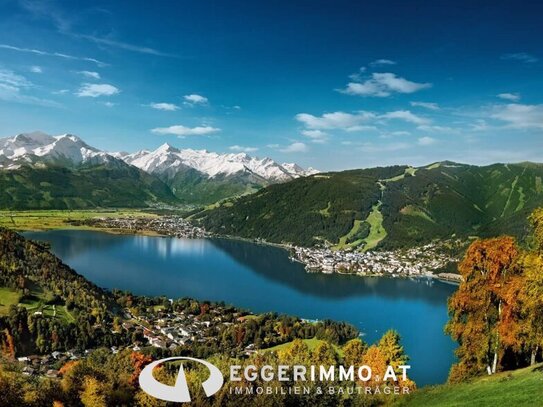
(387, 207)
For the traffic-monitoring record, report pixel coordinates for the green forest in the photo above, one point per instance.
(417, 205)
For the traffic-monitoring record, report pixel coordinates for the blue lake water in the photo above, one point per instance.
(262, 278)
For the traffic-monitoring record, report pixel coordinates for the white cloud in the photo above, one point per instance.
(426, 105)
(383, 85)
(361, 128)
(426, 141)
(378, 62)
(90, 74)
(11, 79)
(182, 131)
(335, 120)
(353, 122)
(109, 104)
(357, 76)
(514, 97)
(170, 107)
(437, 129)
(94, 90)
(36, 69)
(521, 56)
(272, 145)
(123, 45)
(13, 87)
(316, 136)
(520, 116)
(52, 54)
(195, 99)
(243, 149)
(480, 125)
(405, 115)
(296, 147)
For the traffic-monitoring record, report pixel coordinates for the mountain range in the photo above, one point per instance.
(389, 207)
(199, 176)
(87, 177)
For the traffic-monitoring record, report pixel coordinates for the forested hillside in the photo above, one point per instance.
(118, 185)
(406, 205)
(32, 277)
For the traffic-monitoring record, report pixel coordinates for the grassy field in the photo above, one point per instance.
(8, 297)
(343, 239)
(37, 301)
(59, 219)
(377, 231)
(523, 387)
(311, 344)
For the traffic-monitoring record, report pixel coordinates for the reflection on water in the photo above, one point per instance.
(166, 248)
(272, 262)
(262, 278)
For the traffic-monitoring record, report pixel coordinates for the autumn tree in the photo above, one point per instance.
(296, 354)
(139, 361)
(531, 294)
(94, 393)
(392, 349)
(375, 359)
(323, 355)
(353, 351)
(483, 307)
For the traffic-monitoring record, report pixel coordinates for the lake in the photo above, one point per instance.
(262, 278)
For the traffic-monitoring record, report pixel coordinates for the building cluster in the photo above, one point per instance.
(170, 330)
(174, 226)
(48, 365)
(173, 329)
(416, 261)
(164, 330)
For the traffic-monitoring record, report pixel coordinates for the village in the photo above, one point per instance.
(174, 226)
(422, 261)
(162, 330)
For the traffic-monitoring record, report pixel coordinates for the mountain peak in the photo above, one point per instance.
(40, 148)
(166, 148)
(32, 138)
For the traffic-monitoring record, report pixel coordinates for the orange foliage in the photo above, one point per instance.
(67, 367)
(375, 359)
(139, 361)
(8, 345)
(484, 309)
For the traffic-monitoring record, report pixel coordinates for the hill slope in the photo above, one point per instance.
(389, 207)
(25, 264)
(523, 387)
(107, 185)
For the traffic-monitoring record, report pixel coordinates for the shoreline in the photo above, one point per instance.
(184, 229)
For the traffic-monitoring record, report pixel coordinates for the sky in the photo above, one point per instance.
(328, 84)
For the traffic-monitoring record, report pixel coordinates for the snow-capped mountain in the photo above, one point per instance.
(295, 169)
(193, 176)
(41, 149)
(168, 160)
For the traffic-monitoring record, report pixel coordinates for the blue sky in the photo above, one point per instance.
(332, 85)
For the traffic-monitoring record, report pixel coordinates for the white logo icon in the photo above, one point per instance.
(180, 391)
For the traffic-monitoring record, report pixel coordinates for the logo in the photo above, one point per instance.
(180, 391)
